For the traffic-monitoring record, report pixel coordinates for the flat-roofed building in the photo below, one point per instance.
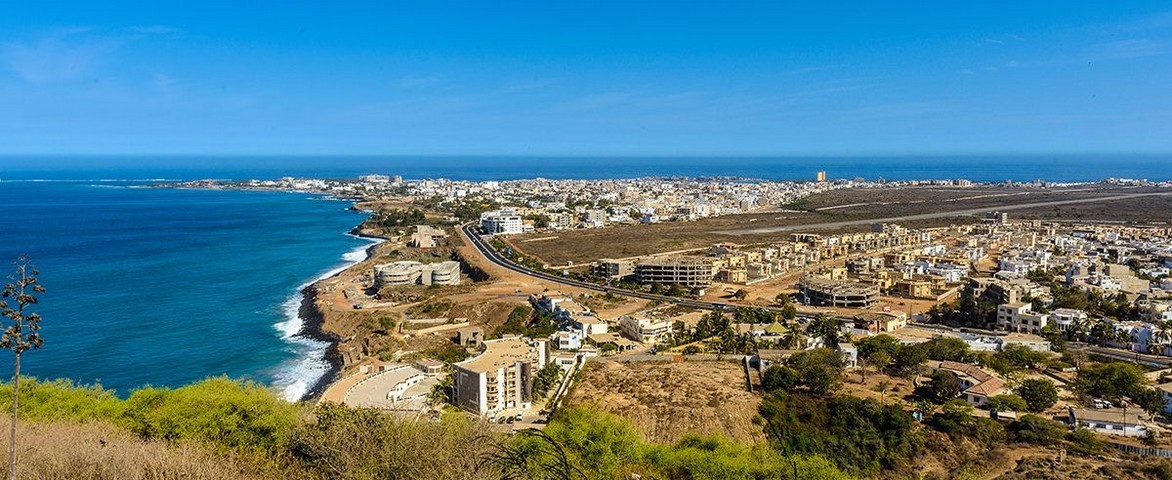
(1020, 317)
(501, 376)
(646, 330)
(1109, 422)
(412, 273)
(505, 221)
(612, 269)
(685, 271)
(837, 293)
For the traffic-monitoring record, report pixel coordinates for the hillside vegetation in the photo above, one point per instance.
(220, 428)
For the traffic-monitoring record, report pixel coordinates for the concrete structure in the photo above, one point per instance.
(646, 330)
(1020, 317)
(685, 271)
(412, 273)
(1109, 422)
(505, 221)
(1065, 319)
(611, 269)
(880, 322)
(565, 340)
(397, 387)
(501, 376)
(837, 293)
(425, 236)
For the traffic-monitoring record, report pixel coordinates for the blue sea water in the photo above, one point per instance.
(159, 287)
(164, 287)
(1056, 168)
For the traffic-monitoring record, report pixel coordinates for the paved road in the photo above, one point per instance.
(1124, 355)
(493, 256)
(928, 216)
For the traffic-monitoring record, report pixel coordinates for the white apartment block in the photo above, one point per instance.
(1020, 317)
(646, 330)
(505, 221)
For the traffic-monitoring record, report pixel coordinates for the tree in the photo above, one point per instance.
(1149, 399)
(943, 386)
(1006, 403)
(1021, 356)
(1114, 380)
(1039, 394)
(779, 377)
(545, 379)
(740, 294)
(827, 328)
(22, 332)
(819, 370)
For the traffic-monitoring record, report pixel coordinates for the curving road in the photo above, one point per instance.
(929, 216)
(494, 256)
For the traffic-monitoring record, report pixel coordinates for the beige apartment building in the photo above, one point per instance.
(689, 272)
(501, 376)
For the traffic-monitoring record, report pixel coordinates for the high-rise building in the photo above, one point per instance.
(821, 175)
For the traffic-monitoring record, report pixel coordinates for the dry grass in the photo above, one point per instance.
(667, 400)
(101, 451)
(587, 245)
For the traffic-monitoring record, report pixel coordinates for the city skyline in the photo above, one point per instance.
(604, 79)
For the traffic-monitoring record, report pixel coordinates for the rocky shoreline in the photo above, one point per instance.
(314, 324)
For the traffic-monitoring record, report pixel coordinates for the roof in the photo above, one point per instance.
(1105, 416)
(988, 387)
(498, 354)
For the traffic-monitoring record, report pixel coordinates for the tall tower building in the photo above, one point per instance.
(822, 176)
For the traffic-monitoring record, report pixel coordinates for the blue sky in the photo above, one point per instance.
(587, 78)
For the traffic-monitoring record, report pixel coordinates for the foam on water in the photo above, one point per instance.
(295, 378)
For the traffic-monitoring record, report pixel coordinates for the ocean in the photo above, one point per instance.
(1055, 168)
(164, 287)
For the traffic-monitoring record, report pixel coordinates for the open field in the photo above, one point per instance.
(666, 400)
(841, 210)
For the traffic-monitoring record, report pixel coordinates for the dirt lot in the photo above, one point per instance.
(667, 400)
(580, 246)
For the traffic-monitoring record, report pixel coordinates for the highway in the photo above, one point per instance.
(928, 216)
(495, 257)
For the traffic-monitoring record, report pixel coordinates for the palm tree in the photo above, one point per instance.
(826, 328)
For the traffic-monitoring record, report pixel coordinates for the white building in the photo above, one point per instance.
(1064, 319)
(1020, 317)
(1108, 422)
(505, 221)
(411, 273)
(566, 340)
(646, 330)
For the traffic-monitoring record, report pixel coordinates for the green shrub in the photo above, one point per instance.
(217, 411)
(1037, 430)
(61, 400)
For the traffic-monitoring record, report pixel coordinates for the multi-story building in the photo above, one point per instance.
(1020, 317)
(646, 330)
(411, 273)
(1064, 319)
(505, 221)
(689, 272)
(614, 269)
(826, 292)
(501, 376)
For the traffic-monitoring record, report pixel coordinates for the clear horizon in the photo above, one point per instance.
(631, 79)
